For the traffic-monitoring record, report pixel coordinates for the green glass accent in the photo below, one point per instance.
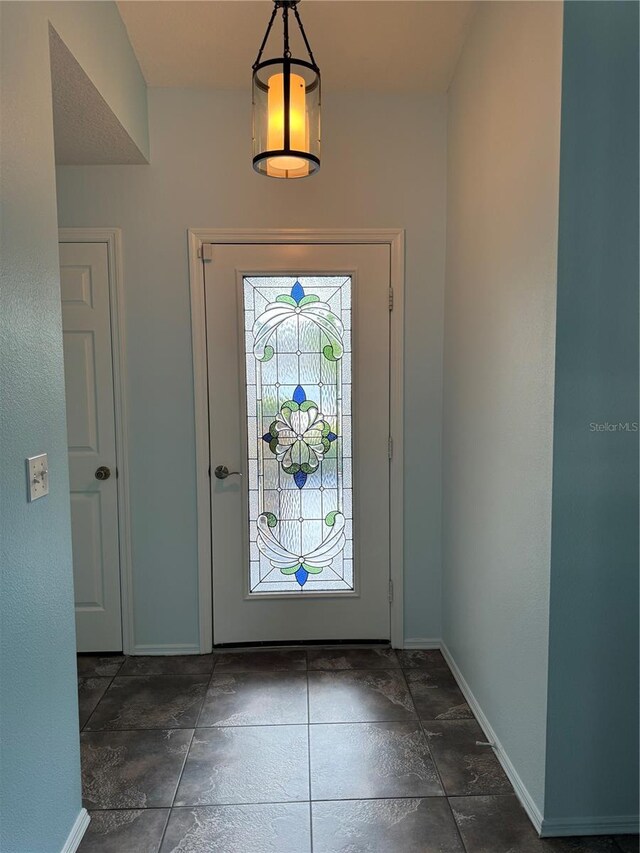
(332, 352)
(271, 519)
(308, 299)
(330, 519)
(290, 570)
(311, 569)
(289, 300)
(286, 451)
(268, 354)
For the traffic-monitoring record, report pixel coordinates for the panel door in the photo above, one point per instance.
(298, 361)
(84, 274)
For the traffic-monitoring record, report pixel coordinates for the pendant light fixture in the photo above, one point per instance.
(286, 106)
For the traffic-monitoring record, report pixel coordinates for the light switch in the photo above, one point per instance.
(37, 477)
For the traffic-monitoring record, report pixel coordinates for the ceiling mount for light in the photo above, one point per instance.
(286, 106)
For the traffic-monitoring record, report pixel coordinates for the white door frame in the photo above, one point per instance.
(392, 237)
(112, 237)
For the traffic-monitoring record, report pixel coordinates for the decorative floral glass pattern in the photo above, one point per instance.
(298, 372)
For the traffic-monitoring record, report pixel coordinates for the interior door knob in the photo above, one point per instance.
(222, 472)
(103, 473)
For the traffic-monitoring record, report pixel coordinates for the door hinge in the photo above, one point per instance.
(390, 299)
(205, 252)
(390, 591)
(390, 447)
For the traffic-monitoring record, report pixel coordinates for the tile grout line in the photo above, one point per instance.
(186, 758)
(309, 753)
(164, 830)
(437, 769)
(86, 722)
(184, 764)
(204, 700)
(231, 805)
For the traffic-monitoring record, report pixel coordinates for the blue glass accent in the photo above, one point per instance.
(301, 576)
(299, 396)
(332, 436)
(267, 437)
(297, 292)
(300, 478)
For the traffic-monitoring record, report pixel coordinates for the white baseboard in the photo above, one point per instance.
(616, 825)
(167, 649)
(535, 816)
(422, 643)
(77, 832)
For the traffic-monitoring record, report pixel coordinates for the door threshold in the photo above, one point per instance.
(270, 644)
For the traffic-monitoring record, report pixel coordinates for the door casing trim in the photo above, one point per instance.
(113, 239)
(394, 238)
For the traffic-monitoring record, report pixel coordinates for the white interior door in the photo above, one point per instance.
(86, 321)
(298, 366)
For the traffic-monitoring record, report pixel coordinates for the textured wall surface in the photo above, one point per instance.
(592, 747)
(97, 37)
(40, 774)
(39, 760)
(85, 128)
(502, 214)
(201, 176)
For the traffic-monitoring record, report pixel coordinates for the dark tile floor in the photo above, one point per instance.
(330, 750)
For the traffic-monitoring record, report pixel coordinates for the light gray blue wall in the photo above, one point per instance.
(592, 746)
(502, 215)
(39, 760)
(201, 176)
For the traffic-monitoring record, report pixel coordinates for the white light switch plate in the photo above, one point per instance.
(37, 477)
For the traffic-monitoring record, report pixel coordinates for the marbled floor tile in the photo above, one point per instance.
(90, 692)
(261, 660)
(277, 828)
(246, 764)
(332, 658)
(436, 695)
(385, 826)
(498, 824)
(627, 843)
(168, 665)
(150, 702)
(132, 770)
(125, 831)
(367, 760)
(99, 665)
(357, 696)
(465, 768)
(255, 699)
(422, 659)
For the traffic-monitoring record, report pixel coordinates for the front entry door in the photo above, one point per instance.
(298, 366)
(88, 367)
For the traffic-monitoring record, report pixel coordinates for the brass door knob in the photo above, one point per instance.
(103, 473)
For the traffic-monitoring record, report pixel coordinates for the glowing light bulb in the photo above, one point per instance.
(297, 125)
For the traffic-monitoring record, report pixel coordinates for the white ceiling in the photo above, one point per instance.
(378, 45)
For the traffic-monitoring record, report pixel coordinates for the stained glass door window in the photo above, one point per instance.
(298, 403)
